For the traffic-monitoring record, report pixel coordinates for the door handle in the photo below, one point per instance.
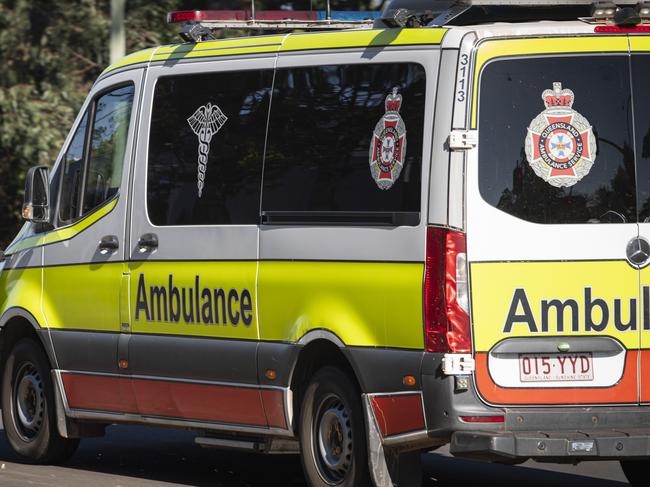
(148, 242)
(109, 243)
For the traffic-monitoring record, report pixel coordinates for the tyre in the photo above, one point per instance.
(636, 471)
(28, 406)
(333, 432)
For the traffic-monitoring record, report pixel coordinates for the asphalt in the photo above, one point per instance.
(131, 456)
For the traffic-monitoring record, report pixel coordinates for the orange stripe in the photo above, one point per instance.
(625, 391)
(203, 402)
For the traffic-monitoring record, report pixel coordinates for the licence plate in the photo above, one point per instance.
(556, 367)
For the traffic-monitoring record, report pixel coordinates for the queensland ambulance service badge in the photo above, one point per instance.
(388, 145)
(560, 145)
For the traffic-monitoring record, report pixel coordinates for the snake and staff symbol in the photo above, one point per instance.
(205, 122)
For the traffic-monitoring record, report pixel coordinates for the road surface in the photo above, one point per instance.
(132, 456)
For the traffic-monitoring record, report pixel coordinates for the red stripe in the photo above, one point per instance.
(99, 393)
(399, 413)
(273, 401)
(204, 402)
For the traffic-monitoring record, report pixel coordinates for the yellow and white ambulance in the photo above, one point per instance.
(359, 244)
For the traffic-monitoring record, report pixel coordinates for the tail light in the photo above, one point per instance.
(446, 292)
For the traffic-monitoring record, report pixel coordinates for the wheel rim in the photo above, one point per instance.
(29, 401)
(333, 440)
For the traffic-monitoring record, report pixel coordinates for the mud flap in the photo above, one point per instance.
(388, 466)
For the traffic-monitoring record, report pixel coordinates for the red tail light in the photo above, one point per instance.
(447, 327)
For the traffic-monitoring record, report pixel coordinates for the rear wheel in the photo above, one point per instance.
(636, 471)
(28, 407)
(333, 432)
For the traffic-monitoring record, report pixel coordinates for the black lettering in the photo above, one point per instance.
(219, 295)
(206, 310)
(196, 295)
(141, 300)
(618, 318)
(520, 298)
(158, 301)
(590, 325)
(234, 318)
(188, 306)
(246, 307)
(560, 307)
(174, 298)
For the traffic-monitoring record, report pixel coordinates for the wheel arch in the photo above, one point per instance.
(318, 349)
(17, 323)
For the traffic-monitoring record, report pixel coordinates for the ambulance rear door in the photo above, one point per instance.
(551, 218)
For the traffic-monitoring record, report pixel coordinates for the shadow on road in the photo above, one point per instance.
(139, 456)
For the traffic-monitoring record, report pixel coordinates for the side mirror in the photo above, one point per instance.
(36, 208)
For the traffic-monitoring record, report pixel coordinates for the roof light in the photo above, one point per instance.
(643, 9)
(603, 11)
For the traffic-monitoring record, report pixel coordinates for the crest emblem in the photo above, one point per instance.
(205, 122)
(388, 145)
(560, 145)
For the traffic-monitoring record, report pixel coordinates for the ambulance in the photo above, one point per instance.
(358, 237)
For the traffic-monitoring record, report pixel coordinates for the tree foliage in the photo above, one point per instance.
(51, 51)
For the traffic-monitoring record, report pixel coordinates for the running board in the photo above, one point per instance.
(256, 445)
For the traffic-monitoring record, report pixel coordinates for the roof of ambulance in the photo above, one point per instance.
(448, 36)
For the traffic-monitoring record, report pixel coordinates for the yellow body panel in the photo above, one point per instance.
(362, 38)
(364, 304)
(590, 284)
(21, 288)
(137, 57)
(493, 49)
(213, 276)
(640, 43)
(285, 42)
(83, 296)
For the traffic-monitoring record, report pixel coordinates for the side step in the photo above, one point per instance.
(255, 445)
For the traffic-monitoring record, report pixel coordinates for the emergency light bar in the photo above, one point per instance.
(200, 23)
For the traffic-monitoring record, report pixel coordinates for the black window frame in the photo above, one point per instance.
(147, 212)
(378, 218)
(567, 54)
(90, 112)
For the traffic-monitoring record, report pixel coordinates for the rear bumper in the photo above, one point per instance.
(552, 445)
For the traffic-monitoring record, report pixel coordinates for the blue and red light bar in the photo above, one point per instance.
(270, 16)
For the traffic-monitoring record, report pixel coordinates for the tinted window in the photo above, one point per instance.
(641, 75)
(72, 175)
(206, 148)
(107, 145)
(322, 126)
(511, 102)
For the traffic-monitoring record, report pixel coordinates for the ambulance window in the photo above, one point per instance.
(323, 122)
(641, 75)
(584, 176)
(107, 146)
(206, 147)
(72, 174)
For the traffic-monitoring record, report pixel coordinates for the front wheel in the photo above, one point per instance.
(332, 432)
(28, 407)
(636, 471)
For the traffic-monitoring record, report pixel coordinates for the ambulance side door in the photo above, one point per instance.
(194, 241)
(84, 254)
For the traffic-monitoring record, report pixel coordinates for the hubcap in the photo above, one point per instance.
(333, 440)
(29, 401)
